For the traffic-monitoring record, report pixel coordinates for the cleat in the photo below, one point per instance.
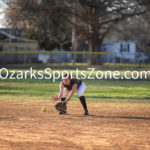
(62, 112)
(86, 113)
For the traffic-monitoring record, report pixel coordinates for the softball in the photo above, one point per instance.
(44, 109)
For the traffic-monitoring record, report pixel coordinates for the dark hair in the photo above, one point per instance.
(66, 75)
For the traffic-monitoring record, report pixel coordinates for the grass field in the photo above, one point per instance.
(119, 116)
(96, 90)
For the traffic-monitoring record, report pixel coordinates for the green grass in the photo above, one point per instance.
(97, 90)
(105, 66)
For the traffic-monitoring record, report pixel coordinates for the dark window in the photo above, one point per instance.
(121, 47)
(124, 47)
(128, 47)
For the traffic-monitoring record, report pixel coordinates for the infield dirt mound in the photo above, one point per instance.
(23, 126)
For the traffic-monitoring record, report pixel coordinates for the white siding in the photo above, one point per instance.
(128, 53)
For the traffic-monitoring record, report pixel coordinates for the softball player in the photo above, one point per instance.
(68, 87)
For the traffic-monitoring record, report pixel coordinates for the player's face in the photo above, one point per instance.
(66, 81)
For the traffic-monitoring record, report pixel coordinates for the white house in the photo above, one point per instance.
(123, 51)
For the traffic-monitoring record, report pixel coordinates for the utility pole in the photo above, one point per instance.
(74, 34)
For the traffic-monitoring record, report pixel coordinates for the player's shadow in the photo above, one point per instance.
(112, 117)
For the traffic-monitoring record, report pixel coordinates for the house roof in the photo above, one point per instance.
(5, 36)
(13, 31)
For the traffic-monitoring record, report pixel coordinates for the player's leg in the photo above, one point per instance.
(82, 98)
(65, 93)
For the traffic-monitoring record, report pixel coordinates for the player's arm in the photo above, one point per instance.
(74, 88)
(56, 98)
(61, 87)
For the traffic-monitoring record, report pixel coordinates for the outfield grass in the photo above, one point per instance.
(97, 90)
(104, 66)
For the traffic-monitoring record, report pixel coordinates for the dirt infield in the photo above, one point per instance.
(23, 126)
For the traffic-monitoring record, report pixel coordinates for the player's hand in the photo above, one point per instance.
(55, 98)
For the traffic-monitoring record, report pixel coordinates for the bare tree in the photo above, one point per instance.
(48, 28)
(137, 30)
(94, 19)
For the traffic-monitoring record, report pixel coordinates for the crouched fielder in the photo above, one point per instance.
(68, 87)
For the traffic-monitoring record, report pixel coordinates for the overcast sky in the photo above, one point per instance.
(2, 17)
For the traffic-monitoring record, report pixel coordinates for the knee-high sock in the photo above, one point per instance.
(83, 102)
